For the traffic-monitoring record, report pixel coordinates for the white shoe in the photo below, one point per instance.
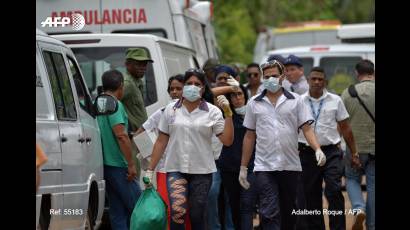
(358, 220)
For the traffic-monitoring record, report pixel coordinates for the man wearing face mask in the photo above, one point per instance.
(295, 79)
(273, 119)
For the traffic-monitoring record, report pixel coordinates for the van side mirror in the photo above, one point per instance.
(105, 104)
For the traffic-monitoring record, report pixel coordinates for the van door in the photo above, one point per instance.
(71, 134)
(47, 136)
(92, 141)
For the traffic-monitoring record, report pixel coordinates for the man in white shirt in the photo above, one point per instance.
(273, 119)
(295, 79)
(328, 112)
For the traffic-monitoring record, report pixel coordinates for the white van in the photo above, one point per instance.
(187, 22)
(72, 189)
(337, 60)
(97, 53)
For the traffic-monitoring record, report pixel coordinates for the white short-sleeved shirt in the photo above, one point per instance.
(299, 87)
(332, 111)
(151, 124)
(190, 137)
(276, 130)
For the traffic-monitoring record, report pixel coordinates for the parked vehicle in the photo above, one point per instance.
(186, 22)
(72, 188)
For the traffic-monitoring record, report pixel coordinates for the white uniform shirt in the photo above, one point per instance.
(299, 87)
(151, 124)
(332, 111)
(276, 130)
(190, 137)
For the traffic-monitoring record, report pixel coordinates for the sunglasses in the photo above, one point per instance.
(272, 64)
(193, 70)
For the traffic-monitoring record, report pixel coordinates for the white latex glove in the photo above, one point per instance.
(222, 101)
(232, 82)
(320, 157)
(150, 175)
(243, 175)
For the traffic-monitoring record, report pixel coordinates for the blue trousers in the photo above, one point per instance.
(122, 196)
(242, 201)
(277, 198)
(218, 218)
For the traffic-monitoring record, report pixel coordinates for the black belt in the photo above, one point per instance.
(304, 147)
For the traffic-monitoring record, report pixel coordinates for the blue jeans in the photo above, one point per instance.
(122, 196)
(213, 209)
(354, 190)
(242, 201)
(188, 191)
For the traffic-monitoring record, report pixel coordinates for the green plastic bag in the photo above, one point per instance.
(150, 212)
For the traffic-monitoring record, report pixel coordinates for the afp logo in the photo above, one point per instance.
(77, 21)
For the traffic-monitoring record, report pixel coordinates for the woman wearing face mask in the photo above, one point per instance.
(186, 130)
(175, 86)
(242, 202)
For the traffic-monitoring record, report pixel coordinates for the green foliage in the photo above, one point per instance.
(233, 28)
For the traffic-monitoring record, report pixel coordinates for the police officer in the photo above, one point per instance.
(295, 79)
(328, 112)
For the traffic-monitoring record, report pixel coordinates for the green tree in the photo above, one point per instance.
(234, 31)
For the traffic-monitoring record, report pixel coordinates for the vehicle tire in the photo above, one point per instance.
(92, 210)
(44, 219)
(89, 223)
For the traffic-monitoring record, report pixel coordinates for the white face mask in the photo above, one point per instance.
(272, 84)
(191, 92)
(241, 110)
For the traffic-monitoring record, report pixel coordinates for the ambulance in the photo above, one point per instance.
(185, 21)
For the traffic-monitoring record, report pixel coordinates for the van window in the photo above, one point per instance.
(95, 61)
(307, 64)
(42, 109)
(60, 86)
(83, 97)
(340, 72)
(197, 37)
